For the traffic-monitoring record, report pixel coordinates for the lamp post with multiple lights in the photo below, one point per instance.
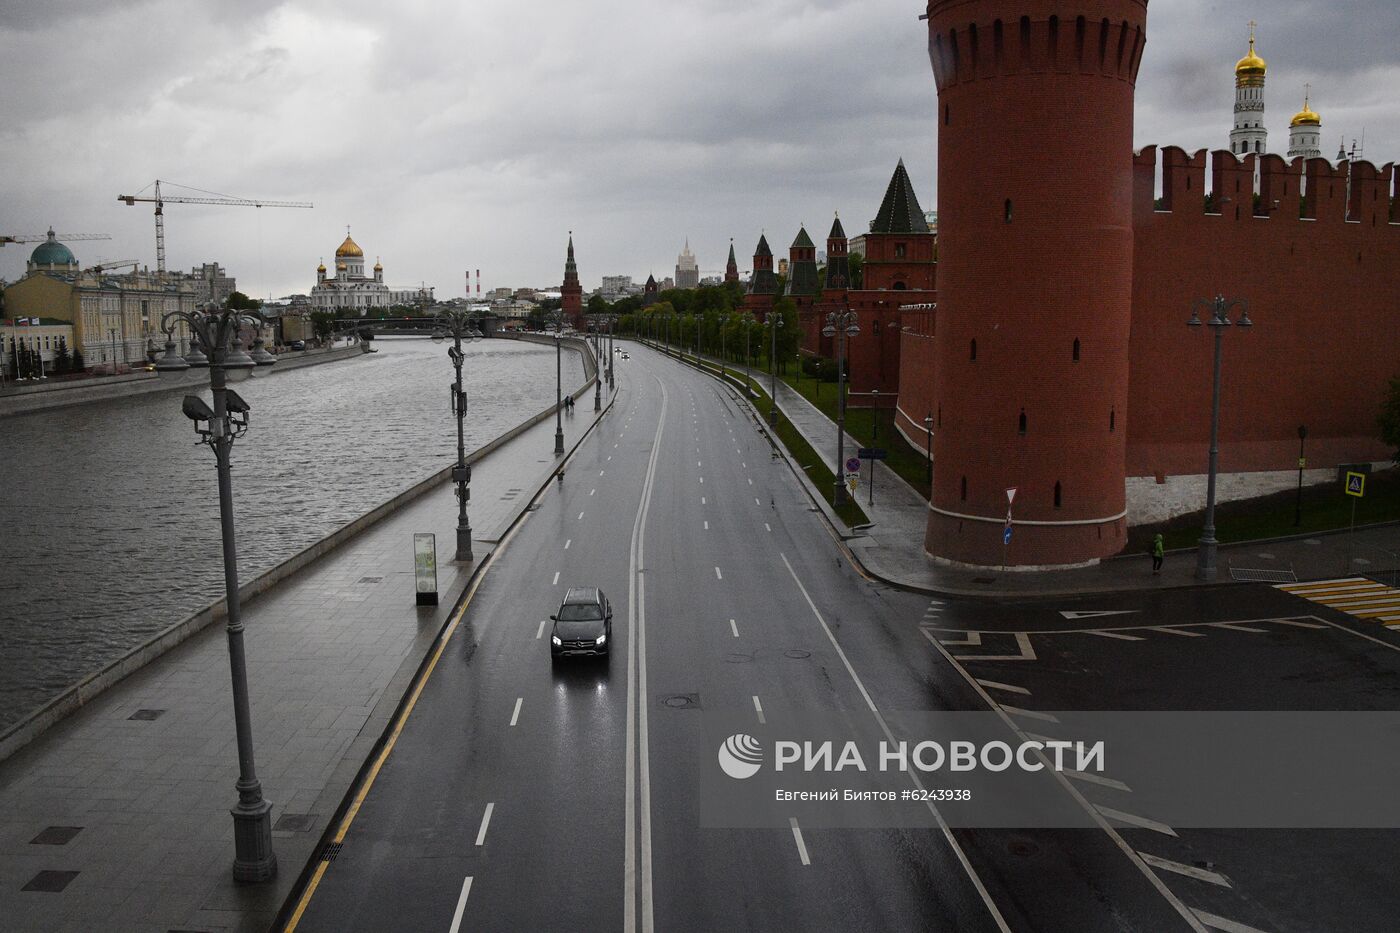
(841, 325)
(559, 382)
(460, 325)
(217, 332)
(775, 321)
(1219, 308)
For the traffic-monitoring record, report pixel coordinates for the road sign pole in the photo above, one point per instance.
(1351, 539)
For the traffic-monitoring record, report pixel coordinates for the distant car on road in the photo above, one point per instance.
(626, 356)
(583, 624)
(297, 345)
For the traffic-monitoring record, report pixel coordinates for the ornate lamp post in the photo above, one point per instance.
(1219, 320)
(775, 321)
(217, 332)
(928, 449)
(559, 382)
(459, 324)
(598, 364)
(841, 325)
(1302, 462)
(748, 350)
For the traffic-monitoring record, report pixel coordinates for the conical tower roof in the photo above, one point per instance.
(837, 231)
(803, 241)
(763, 249)
(900, 211)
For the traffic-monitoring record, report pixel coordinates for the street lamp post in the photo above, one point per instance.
(928, 449)
(458, 324)
(1220, 319)
(841, 325)
(597, 366)
(774, 322)
(1302, 462)
(748, 351)
(559, 383)
(217, 331)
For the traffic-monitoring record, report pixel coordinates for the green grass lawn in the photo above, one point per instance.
(909, 463)
(1325, 508)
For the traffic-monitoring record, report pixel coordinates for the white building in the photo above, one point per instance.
(687, 269)
(1249, 134)
(351, 290)
(1305, 132)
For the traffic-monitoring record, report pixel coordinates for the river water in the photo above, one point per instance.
(109, 520)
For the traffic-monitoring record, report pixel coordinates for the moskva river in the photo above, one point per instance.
(109, 519)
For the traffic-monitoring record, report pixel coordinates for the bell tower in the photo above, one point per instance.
(1035, 136)
(571, 292)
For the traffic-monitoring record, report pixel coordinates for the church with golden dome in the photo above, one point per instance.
(348, 289)
(1250, 135)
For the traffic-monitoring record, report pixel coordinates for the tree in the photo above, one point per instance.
(597, 304)
(62, 360)
(238, 301)
(857, 263)
(1389, 421)
(322, 323)
(78, 364)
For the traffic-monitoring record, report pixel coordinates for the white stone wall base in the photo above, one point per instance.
(1150, 502)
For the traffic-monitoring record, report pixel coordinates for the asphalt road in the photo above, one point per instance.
(525, 795)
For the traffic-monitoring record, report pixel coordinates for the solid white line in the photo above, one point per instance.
(1118, 635)
(733, 627)
(1134, 820)
(884, 726)
(801, 846)
(556, 579)
(1030, 713)
(1220, 923)
(758, 708)
(515, 716)
(461, 905)
(485, 822)
(1185, 633)
(540, 633)
(1190, 871)
(995, 685)
(1232, 627)
(718, 575)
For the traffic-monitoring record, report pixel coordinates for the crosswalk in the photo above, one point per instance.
(1361, 597)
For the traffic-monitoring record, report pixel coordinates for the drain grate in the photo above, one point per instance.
(331, 850)
(147, 715)
(50, 882)
(1258, 575)
(56, 836)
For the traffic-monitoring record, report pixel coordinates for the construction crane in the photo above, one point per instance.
(41, 237)
(160, 201)
(102, 267)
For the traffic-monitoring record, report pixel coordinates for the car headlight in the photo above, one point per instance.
(554, 640)
(601, 638)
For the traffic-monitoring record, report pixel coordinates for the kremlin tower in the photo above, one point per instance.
(571, 291)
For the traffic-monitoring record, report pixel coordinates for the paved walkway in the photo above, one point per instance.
(892, 549)
(117, 818)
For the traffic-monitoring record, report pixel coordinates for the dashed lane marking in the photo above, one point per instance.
(734, 627)
(485, 822)
(801, 846)
(461, 905)
(767, 527)
(567, 543)
(1190, 871)
(515, 716)
(556, 579)
(718, 575)
(540, 633)
(758, 708)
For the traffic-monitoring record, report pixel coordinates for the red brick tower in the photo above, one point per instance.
(731, 268)
(1035, 133)
(763, 287)
(572, 291)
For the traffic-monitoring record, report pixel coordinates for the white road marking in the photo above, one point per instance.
(1096, 613)
(567, 543)
(1187, 633)
(995, 685)
(1134, 820)
(610, 456)
(580, 516)
(702, 480)
(1222, 924)
(914, 779)
(750, 481)
(718, 575)
(733, 627)
(461, 905)
(601, 472)
(1236, 627)
(698, 463)
(702, 500)
(592, 491)
(1099, 779)
(1190, 871)
(767, 527)
(756, 502)
(556, 579)
(758, 708)
(973, 638)
(515, 716)
(485, 822)
(1118, 635)
(707, 526)
(540, 633)
(1030, 713)
(801, 846)
(744, 465)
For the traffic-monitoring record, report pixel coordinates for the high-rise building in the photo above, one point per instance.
(211, 283)
(687, 269)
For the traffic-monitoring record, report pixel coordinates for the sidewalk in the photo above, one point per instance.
(892, 549)
(117, 818)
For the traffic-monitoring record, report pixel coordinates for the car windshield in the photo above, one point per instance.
(579, 612)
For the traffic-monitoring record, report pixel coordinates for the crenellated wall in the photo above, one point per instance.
(1318, 259)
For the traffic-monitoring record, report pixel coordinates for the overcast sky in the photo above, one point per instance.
(455, 136)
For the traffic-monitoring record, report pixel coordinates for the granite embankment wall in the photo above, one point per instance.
(68, 702)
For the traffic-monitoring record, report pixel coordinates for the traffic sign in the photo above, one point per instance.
(873, 453)
(853, 465)
(1356, 484)
(853, 480)
(1302, 462)
(1011, 495)
(1006, 535)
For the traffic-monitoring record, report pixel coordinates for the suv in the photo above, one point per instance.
(583, 624)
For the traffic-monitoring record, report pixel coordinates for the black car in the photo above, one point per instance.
(583, 624)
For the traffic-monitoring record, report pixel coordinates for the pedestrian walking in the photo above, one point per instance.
(1159, 551)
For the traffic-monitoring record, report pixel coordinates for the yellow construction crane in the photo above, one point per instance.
(41, 237)
(160, 201)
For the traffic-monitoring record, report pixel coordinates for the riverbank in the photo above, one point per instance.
(31, 398)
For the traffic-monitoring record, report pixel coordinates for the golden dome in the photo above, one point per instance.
(1306, 117)
(1251, 64)
(340, 266)
(350, 248)
(321, 267)
(377, 266)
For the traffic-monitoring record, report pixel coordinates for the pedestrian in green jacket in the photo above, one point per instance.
(1159, 551)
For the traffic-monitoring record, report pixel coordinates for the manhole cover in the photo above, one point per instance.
(147, 714)
(50, 882)
(55, 836)
(797, 654)
(681, 701)
(737, 657)
(295, 822)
